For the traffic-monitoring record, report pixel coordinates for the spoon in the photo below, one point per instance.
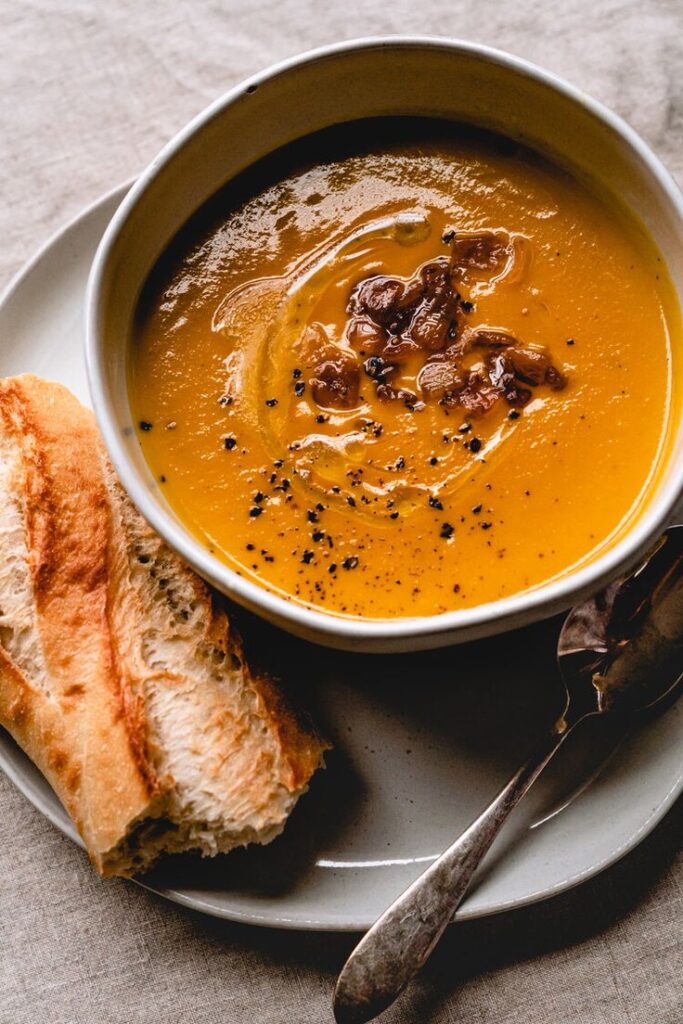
(619, 652)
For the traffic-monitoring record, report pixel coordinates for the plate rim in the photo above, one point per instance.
(282, 921)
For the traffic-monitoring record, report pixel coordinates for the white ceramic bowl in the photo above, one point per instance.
(365, 78)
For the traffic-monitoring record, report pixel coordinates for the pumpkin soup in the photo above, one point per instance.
(402, 367)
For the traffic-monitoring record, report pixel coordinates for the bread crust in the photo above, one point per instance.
(126, 687)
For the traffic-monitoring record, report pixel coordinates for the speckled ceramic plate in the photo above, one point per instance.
(421, 741)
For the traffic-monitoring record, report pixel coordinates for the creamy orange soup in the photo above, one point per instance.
(401, 368)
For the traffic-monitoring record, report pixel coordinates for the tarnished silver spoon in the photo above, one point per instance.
(619, 652)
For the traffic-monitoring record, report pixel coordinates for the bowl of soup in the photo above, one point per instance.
(387, 344)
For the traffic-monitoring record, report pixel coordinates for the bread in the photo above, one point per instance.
(120, 675)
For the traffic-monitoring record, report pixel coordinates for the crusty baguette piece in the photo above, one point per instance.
(119, 674)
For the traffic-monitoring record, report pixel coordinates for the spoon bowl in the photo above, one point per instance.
(622, 650)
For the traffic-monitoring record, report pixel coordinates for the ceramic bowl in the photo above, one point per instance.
(414, 76)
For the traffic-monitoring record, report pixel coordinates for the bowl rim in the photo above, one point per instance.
(327, 626)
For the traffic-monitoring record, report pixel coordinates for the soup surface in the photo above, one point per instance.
(401, 368)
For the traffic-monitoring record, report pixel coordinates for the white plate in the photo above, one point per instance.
(421, 741)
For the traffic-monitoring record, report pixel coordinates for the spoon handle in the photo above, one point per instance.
(401, 940)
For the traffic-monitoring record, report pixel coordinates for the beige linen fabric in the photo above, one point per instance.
(88, 92)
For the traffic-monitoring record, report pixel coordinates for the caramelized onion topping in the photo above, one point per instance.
(481, 251)
(392, 320)
(336, 381)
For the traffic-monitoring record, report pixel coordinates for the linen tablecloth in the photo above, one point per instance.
(88, 93)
